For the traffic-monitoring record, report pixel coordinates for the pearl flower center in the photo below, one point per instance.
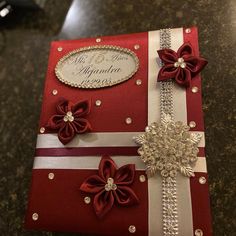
(110, 185)
(180, 63)
(68, 117)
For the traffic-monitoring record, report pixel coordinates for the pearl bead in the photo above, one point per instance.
(98, 40)
(59, 49)
(136, 46)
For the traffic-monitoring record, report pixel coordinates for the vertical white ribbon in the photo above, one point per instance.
(180, 113)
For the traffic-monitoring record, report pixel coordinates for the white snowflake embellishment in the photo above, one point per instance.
(168, 147)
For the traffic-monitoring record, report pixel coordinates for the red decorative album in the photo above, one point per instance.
(120, 146)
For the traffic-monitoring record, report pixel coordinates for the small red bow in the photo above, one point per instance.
(181, 65)
(70, 120)
(110, 186)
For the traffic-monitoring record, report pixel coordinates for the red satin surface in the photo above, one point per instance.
(68, 129)
(60, 206)
(182, 76)
(118, 102)
(103, 200)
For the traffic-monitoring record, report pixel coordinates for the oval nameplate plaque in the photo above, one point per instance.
(97, 66)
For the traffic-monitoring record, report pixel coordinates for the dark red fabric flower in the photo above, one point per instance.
(70, 120)
(181, 65)
(111, 186)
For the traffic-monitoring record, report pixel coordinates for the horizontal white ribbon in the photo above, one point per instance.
(107, 139)
(92, 162)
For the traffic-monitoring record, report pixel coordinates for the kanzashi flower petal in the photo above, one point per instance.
(195, 64)
(66, 133)
(81, 108)
(55, 121)
(103, 202)
(167, 72)
(107, 168)
(168, 56)
(125, 196)
(185, 50)
(125, 175)
(93, 184)
(81, 125)
(183, 77)
(62, 106)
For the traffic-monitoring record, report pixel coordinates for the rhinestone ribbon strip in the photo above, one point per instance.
(168, 147)
(169, 189)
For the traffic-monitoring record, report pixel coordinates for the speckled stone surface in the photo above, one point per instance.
(24, 47)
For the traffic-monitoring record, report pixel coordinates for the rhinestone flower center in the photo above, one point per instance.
(110, 185)
(68, 117)
(180, 63)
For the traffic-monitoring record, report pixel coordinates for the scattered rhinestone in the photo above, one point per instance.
(42, 130)
(202, 180)
(87, 200)
(132, 229)
(51, 175)
(98, 103)
(188, 31)
(54, 92)
(59, 49)
(198, 232)
(192, 124)
(128, 120)
(35, 216)
(194, 89)
(138, 82)
(142, 178)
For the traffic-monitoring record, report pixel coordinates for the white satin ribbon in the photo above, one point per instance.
(108, 139)
(92, 162)
(180, 114)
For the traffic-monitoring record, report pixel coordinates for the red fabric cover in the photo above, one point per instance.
(199, 192)
(60, 206)
(182, 76)
(68, 129)
(111, 115)
(123, 195)
(59, 202)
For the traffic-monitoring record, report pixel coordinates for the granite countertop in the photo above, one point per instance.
(24, 46)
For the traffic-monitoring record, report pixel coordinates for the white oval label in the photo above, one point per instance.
(97, 66)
